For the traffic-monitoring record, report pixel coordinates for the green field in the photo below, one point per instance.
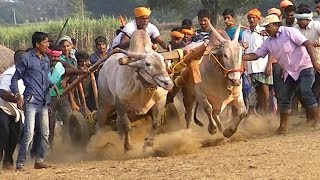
(84, 31)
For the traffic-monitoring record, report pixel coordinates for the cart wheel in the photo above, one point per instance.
(79, 130)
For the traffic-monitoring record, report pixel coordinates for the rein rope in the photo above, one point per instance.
(225, 70)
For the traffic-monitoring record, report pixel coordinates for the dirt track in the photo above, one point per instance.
(255, 154)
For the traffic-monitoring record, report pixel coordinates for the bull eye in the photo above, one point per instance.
(148, 64)
(225, 55)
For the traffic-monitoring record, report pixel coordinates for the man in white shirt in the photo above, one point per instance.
(141, 22)
(10, 116)
(254, 37)
(311, 30)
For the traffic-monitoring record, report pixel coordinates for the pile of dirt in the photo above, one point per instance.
(6, 58)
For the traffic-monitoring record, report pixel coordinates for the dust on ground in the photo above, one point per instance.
(254, 152)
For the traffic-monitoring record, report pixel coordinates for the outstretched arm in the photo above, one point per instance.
(163, 44)
(310, 48)
(250, 57)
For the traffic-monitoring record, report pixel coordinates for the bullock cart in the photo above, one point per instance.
(83, 124)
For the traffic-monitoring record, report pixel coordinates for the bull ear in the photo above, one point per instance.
(124, 60)
(236, 34)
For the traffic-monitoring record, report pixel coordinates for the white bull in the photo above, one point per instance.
(133, 83)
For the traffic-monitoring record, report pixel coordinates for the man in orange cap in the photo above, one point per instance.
(176, 39)
(284, 4)
(141, 21)
(275, 11)
(256, 69)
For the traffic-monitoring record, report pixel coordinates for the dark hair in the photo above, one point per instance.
(118, 31)
(203, 13)
(74, 41)
(290, 8)
(37, 37)
(56, 47)
(228, 12)
(51, 42)
(18, 56)
(176, 29)
(186, 23)
(317, 1)
(303, 6)
(304, 10)
(81, 55)
(100, 39)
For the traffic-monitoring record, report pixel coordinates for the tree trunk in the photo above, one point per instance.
(214, 7)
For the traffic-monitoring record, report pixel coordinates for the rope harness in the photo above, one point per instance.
(225, 70)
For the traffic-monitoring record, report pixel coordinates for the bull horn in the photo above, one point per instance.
(216, 33)
(125, 60)
(236, 34)
(129, 53)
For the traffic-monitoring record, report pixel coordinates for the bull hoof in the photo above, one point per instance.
(228, 132)
(148, 143)
(188, 125)
(212, 129)
(127, 146)
(281, 131)
(244, 115)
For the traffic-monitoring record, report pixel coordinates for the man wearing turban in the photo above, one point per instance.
(141, 21)
(284, 4)
(256, 69)
(311, 30)
(176, 39)
(275, 11)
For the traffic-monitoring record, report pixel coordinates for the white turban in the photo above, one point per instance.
(308, 16)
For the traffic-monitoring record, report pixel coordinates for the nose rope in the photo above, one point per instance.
(225, 70)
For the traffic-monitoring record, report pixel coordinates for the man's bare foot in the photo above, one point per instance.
(42, 166)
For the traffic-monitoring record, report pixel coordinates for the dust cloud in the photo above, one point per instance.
(172, 140)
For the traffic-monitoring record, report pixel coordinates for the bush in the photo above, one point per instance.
(84, 31)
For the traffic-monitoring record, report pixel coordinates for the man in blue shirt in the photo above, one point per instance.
(33, 69)
(229, 21)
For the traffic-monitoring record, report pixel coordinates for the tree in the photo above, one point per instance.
(215, 6)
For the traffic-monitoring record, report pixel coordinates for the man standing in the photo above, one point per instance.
(101, 49)
(33, 69)
(10, 116)
(256, 69)
(289, 19)
(229, 21)
(141, 21)
(311, 30)
(204, 32)
(297, 58)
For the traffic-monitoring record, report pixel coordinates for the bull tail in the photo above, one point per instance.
(196, 120)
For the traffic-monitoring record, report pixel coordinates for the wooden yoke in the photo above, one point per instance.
(90, 70)
(192, 72)
(94, 89)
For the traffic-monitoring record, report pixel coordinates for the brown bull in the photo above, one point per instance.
(220, 70)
